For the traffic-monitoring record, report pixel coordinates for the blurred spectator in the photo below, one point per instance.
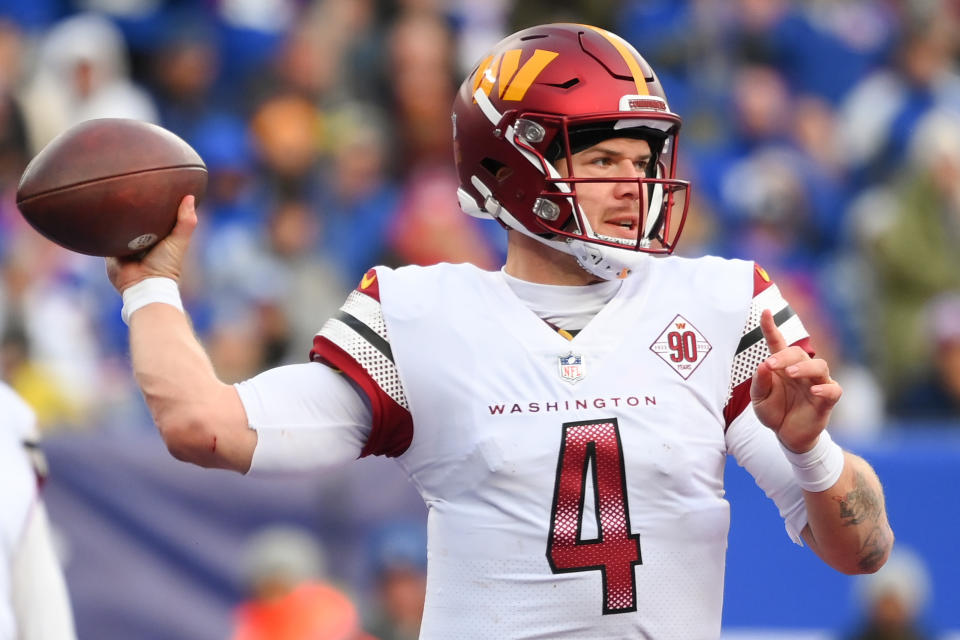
(289, 597)
(400, 573)
(52, 352)
(13, 143)
(937, 394)
(911, 242)
(251, 33)
(879, 114)
(311, 286)
(803, 39)
(308, 62)
(814, 131)
(360, 199)
(184, 69)
(360, 24)
(421, 70)
(430, 228)
(20, 369)
(13, 134)
(225, 145)
(269, 290)
(288, 131)
(82, 73)
(780, 205)
(893, 599)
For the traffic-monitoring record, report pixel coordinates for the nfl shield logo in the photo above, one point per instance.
(572, 368)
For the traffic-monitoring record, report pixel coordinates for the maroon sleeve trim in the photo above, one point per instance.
(392, 429)
(739, 400)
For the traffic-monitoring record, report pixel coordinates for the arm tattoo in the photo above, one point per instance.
(864, 505)
(873, 550)
(860, 504)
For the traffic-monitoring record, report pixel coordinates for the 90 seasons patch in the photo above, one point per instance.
(681, 346)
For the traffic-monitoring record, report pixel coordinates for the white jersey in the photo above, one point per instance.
(34, 604)
(574, 486)
(18, 496)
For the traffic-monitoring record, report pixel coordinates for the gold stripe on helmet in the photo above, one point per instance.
(620, 45)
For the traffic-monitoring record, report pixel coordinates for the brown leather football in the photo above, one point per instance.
(110, 187)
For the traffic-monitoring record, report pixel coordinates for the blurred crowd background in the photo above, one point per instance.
(822, 138)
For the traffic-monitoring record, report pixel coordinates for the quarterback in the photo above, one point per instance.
(567, 418)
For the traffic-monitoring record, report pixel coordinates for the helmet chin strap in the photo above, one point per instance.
(604, 261)
(601, 261)
(609, 263)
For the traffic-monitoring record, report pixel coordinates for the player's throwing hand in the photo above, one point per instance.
(793, 394)
(164, 260)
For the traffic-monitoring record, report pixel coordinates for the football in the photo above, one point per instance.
(110, 187)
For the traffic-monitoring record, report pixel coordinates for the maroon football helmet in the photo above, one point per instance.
(540, 92)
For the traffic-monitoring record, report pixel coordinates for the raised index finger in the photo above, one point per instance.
(772, 334)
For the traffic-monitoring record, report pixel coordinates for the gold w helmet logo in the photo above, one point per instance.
(505, 71)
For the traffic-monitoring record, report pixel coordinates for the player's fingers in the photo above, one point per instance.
(112, 267)
(762, 383)
(830, 392)
(815, 370)
(186, 217)
(771, 333)
(787, 357)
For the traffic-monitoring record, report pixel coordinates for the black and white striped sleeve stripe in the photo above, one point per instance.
(752, 349)
(360, 332)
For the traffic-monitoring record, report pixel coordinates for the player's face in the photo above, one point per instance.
(612, 208)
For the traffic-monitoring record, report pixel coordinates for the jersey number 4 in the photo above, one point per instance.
(593, 447)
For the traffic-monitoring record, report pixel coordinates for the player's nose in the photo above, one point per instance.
(629, 187)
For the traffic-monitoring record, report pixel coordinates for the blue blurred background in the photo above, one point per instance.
(822, 138)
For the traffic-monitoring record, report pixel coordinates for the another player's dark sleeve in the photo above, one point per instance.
(752, 349)
(355, 341)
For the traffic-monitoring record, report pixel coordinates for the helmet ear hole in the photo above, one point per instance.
(497, 170)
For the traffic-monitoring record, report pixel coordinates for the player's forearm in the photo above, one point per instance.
(847, 523)
(200, 418)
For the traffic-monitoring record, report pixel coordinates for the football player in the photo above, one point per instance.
(567, 418)
(34, 604)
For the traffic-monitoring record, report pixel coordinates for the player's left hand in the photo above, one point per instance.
(792, 393)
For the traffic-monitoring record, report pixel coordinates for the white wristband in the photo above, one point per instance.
(820, 468)
(147, 292)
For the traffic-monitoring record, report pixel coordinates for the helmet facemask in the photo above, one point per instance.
(558, 209)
